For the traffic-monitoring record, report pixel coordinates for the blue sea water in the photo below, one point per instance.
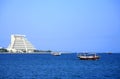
(66, 66)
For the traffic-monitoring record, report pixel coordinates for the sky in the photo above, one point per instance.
(63, 25)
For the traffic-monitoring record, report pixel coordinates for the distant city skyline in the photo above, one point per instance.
(63, 25)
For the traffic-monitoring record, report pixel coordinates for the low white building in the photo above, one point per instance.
(20, 44)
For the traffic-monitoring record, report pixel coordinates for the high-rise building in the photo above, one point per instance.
(20, 44)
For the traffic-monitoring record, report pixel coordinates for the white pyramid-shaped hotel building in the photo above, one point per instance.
(20, 44)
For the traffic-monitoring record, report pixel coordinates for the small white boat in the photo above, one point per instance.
(56, 53)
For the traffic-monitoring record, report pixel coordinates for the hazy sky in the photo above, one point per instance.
(67, 25)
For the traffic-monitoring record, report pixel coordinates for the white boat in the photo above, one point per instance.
(88, 57)
(56, 53)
